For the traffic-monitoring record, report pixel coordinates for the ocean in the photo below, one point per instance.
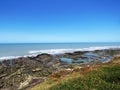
(15, 50)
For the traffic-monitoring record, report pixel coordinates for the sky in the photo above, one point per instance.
(36, 21)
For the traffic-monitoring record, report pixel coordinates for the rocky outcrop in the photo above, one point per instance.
(27, 71)
(13, 72)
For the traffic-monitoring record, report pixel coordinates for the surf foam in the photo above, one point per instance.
(59, 51)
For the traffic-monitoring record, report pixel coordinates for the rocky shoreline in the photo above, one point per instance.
(25, 72)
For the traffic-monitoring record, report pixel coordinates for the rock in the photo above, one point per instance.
(44, 58)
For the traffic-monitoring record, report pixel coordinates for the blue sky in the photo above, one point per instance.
(59, 21)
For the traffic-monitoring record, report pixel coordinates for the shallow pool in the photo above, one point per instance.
(70, 60)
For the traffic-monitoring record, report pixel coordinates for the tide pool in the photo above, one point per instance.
(70, 60)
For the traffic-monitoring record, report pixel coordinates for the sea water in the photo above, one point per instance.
(14, 50)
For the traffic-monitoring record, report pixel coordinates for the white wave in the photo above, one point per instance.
(61, 51)
(51, 51)
(9, 57)
(15, 57)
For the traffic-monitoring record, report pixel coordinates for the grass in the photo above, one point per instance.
(104, 77)
(50, 82)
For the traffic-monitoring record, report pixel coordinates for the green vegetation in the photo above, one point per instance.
(100, 77)
(107, 78)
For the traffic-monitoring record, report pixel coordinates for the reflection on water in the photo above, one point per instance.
(70, 60)
(66, 60)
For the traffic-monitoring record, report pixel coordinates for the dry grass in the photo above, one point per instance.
(50, 82)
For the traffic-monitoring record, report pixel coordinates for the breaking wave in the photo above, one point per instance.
(59, 51)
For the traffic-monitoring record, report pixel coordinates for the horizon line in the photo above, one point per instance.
(51, 42)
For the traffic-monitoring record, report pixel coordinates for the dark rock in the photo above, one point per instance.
(80, 52)
(44, 58)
